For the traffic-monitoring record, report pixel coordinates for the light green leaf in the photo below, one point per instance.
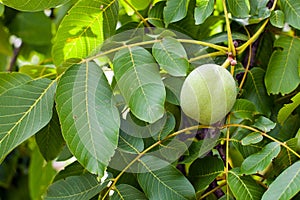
(127, 192)
(243, 187)
(239, 8)
(264, 124)
(84, 29)
(255, 91)
(80, 187)
(260, 160)
(291, 9)
(282, 73)
(203, 171)
(30, 110)
(36, 71)
(171, 56)
(89, 119)
(252, 138)
(140, 83)
(277, 18)
(204, 9)
(49, 139)
(41, 174)
(140, 5)
(163, 183)
(175, 10)
(2, 8)
(286, 185)
(33, 5)
(287, 109)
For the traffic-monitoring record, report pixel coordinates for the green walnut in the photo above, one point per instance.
(208, 94)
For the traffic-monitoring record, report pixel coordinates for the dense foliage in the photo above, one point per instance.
(90, 99)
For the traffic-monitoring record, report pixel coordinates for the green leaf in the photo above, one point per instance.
(140, 5)
(252, 138)
(75, 188)
(84, 29)
(171, 56)
(264, 124)
(260, 160)
(89, 119)
(291, 9)
(173, 88)
(40, 173)
(239, 8)
(139, 81)
(49, 139)
(156, 14)
(255, 91)
(127, 192)
(286, 185)
(130, 144)
(287, 109)
(30, 110)
(277, 18)
(163, 183)
(175, 10)
(244, 109)
(203, 171)
(12, 80)
(282, 73)
(243, 187)
(36, 71)
(25, 24)
(33, 5)
(73, 169)
(204, 9)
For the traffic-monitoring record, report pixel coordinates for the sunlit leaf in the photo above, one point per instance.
(243, 187)
(291, 9)
(33, 5)
(286, 185)
(175, 10)
(30, 110)
(204, 8)
(138, 78)
(282, 73)
(127, 192)
(260, 160)
(252, 138)
(203, 171)
(84, 29)
(171, 56)
(89, 119)
(287, 109)
(163, 182)
(239, 8)
(36, 71)
(75, 188)
(277, 18)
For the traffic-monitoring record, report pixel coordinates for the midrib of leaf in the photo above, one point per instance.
(137, 151)
(291, 181)
(256, 88)
(150, 171)
(285, 64)
(292, 8)
(242, 182)
(137, 76)
(28, 111)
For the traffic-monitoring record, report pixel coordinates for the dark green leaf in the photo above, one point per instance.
(173, 88)
(203, 10)
(94, 21)
(175, 10)
(291, 9)
(282, 73)
(49, 139)
(260, 160)
(75, 188)
(139, 81)
(163, 183)
(30, 110)
(127, 192)
(243, 187)
(264, 124)
(33, 5)
(130, 144)
(73, 169)
(171, 56)
(286, 185)
(244, 109)
(89, 119)
(203, 171)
